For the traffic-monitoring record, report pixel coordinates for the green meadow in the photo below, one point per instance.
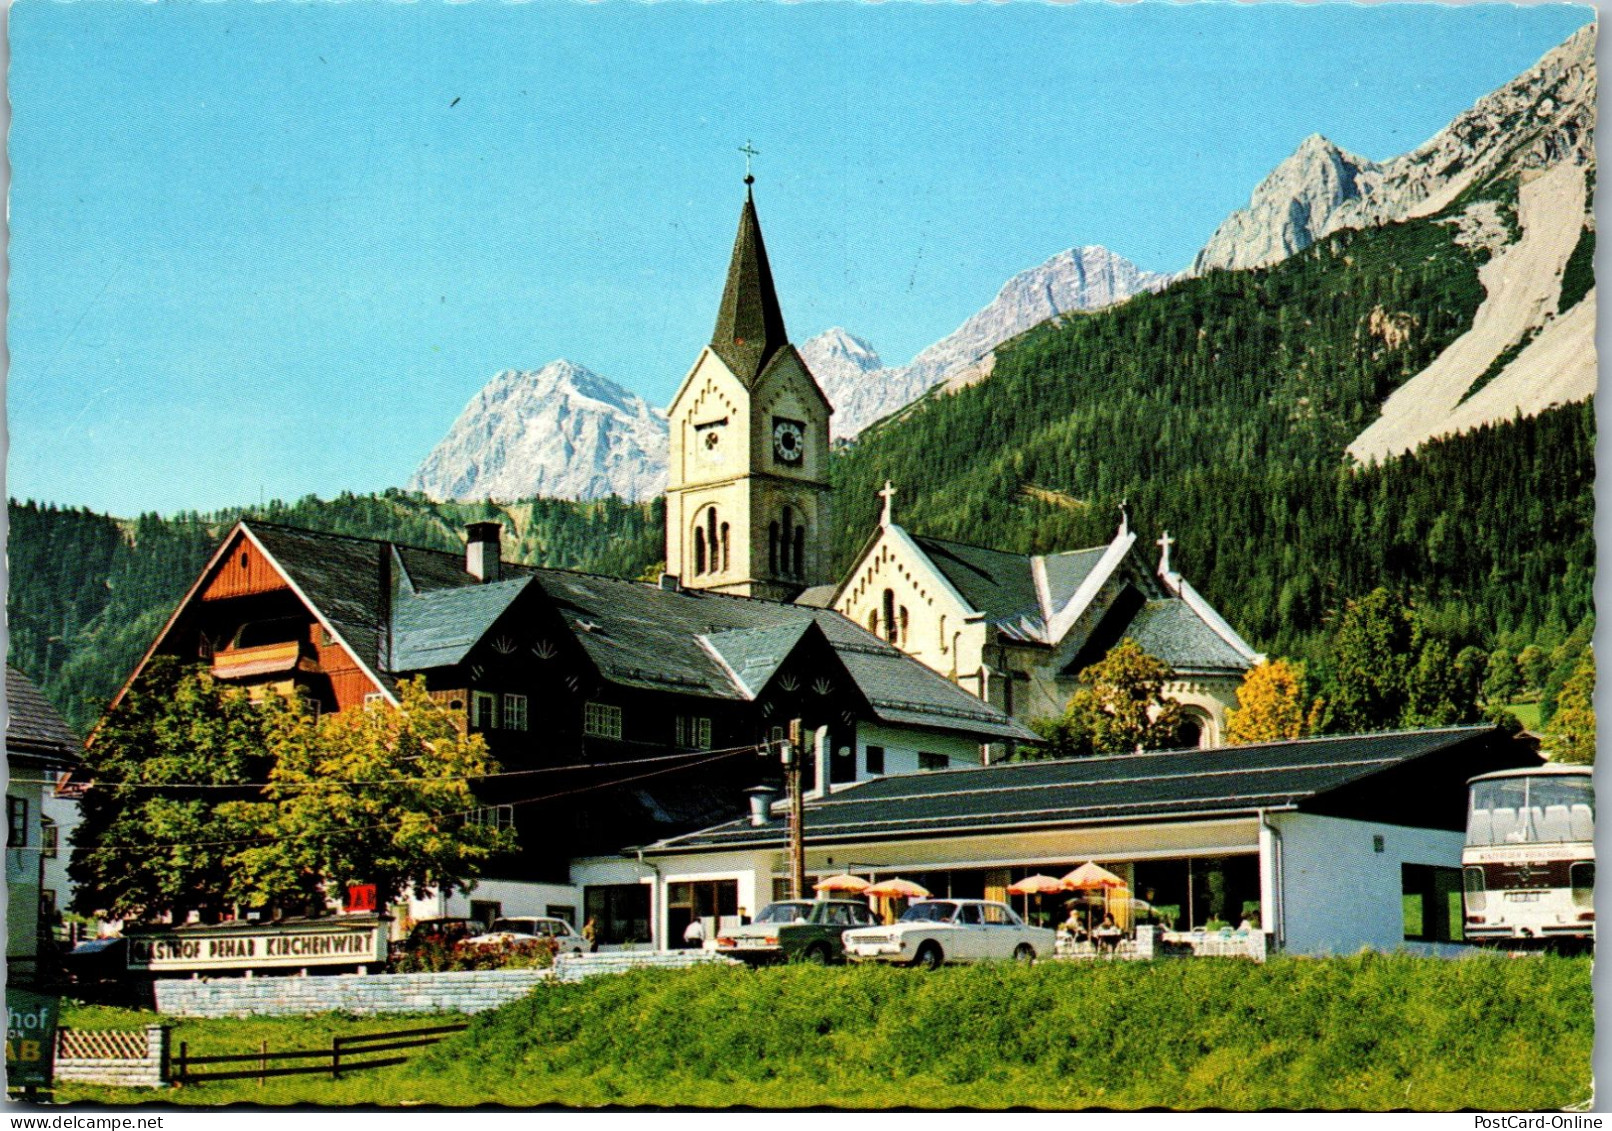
(1368, 1032)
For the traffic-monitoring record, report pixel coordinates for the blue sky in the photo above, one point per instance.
(273, 248)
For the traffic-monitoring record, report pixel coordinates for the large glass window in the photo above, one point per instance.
(16, 822)
(1551, 808)
(620, 912)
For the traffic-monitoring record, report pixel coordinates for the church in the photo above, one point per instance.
(747, 511)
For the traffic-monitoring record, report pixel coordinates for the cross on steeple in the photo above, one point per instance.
(749, 150)
(1164, 559)
(888, 495)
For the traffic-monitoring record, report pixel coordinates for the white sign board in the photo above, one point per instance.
(228, 948)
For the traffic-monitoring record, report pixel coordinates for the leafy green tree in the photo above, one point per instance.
(157, 831)
(1372, 656)
(1501, 683)
(1533, 665)
(1272, 705)
(1570, 735)
(1564, 661)
(1120, 707)
(376, 796)
(201, 799)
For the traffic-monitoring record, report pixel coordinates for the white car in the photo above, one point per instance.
(536, 927)
(951, 930)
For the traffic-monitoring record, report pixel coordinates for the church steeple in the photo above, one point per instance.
(750, 323)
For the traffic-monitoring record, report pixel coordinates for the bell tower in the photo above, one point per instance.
(747, 493)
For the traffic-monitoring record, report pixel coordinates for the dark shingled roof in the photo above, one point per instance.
(1170, 628)
(636, 634)
(995, 582)
(34, 729)
(1223, 782)
(750, 324)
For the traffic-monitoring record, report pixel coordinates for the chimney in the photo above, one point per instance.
(761, 799)
(670, 582)
(482, 560)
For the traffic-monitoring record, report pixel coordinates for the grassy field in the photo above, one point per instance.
(1527, 714)
(1370, 1032)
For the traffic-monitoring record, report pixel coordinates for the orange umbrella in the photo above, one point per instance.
(852, 884)
(1090, 877)
(904, 889)
(1036, 885)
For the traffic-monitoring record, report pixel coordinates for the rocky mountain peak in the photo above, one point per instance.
(1544, 116)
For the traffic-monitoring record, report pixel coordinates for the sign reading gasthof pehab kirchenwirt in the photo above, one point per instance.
(345, 941)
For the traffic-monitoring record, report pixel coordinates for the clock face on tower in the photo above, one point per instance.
(788, 440)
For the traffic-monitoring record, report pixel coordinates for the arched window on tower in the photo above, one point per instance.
(711, 539)
(699, 550)
(903, 625)
(786, 544)
(799, 558)
(890, 615)
(726, 564)
(772, 548)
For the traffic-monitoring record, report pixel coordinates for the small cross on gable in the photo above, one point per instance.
(1164, 559)
(888, 495)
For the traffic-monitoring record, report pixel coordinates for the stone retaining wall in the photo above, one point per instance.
(457, 991)
(145, 1064)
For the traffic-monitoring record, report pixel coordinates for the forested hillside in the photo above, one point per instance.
(1219, 409)
(89, 592)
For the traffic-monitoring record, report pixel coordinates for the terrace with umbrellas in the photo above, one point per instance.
(1094, 911)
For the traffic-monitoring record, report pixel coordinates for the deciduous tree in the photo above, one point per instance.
(1570, 735)
(1272, 705)
(1119, 707)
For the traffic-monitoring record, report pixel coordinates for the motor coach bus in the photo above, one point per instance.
(1528, 868)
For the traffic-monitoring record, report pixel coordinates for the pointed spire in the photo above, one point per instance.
(750, 324)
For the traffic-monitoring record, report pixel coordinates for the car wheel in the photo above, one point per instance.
(930, 956)
(1025, 953)
(817, 955)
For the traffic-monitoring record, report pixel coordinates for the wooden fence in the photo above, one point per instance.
(345, 1054)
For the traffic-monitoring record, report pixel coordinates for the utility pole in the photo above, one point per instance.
(793, 758)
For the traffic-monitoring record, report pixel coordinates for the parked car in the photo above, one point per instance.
(951, 930)
(97, 961)
(796, 930)
(435, 932)
(566, 940)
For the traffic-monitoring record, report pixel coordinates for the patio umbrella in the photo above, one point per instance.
(1035, 885)
(904, 889)
(1091, 877)
(852, 884)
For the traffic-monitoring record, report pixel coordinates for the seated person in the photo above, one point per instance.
(1107, 935)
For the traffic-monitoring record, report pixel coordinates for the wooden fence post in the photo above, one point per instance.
(184, 1055)
(335, 1058)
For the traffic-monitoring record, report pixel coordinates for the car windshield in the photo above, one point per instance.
(784, 912)
(513, 926)
(933, 911)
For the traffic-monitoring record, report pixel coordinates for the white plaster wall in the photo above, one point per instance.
(517, 896)
(1339, 895)
(902, 745)
(939, 636)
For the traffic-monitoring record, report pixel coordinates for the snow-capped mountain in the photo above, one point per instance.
(562, 431)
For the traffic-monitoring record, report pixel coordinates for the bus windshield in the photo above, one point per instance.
(1548, 809)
